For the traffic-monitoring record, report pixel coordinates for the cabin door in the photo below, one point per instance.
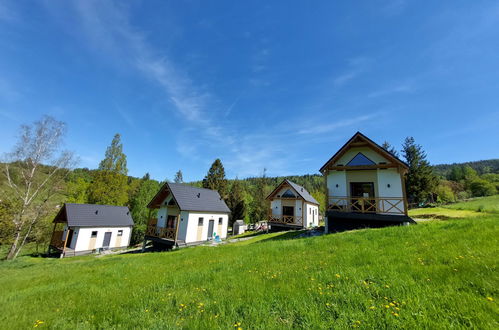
(211, 225)
(107, 240)
(363, 199)
(70, 238)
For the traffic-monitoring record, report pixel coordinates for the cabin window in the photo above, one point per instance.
(220, 220)
(288, 194)
(288, 210)
(171, 202)
(120, 232)
(359, 160)
(170, 222)
(94, 234)
(200, 221)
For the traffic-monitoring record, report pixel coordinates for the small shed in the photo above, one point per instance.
(238, 227)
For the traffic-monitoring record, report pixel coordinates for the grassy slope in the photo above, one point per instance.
(438, 274)
(469, 209)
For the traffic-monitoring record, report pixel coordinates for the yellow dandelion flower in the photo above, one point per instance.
(395, 314)
(387, 306)
(337, 275)
(490, 299)
(372, 307)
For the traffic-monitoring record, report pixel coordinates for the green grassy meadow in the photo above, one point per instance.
(437, 274)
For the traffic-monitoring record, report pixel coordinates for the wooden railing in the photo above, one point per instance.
(56, 240)
(161, 232)
(380, 205)
(286, 219)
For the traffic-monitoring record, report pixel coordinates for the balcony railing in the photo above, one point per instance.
(56, 240)
(379, 205)
(286, 219)
(161, 232)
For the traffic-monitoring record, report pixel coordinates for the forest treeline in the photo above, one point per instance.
(37, 180)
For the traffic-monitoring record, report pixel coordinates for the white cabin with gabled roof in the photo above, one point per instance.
(365, 184)
(292, 206)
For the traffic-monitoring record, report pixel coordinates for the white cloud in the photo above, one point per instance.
(334, 125)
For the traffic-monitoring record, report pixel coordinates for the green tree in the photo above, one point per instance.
(420, 180)
(179, 178)
(480, 187)
(259, 205)
(77, 190)
(215, 179)
(35, 171)
(138, 206)
(110, 182)
(391, 149)
(235, 202)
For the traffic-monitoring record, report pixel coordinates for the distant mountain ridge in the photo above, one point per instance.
(481, 166)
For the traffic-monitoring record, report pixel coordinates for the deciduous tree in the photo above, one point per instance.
(34, 171)
(236, 202)
(110, 182)
(179, 178)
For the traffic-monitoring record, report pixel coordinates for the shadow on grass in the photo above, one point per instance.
(284, 236)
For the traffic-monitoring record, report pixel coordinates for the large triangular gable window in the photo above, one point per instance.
(360, 160)
(288, 194)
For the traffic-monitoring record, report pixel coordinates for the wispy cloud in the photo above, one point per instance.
(402, 88)
(356, 66)
(327, 128)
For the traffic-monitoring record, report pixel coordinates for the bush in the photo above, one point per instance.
(138, 233)
(445, 194)
(481, 187)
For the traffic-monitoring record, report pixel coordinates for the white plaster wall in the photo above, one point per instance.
(192, 226)
(162, 215)
(312, 215)
(276, 207)
(394, 179)
(82, 235)
(337, 178)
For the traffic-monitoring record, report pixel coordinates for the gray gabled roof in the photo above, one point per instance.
(92, 215)
(303, 192)
(190, 198)
(299, 189)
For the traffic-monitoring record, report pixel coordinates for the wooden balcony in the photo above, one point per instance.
(286, 220)
(161, 232)
(56, 240)
(372, 205)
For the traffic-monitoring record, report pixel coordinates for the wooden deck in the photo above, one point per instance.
(372, 205)
(285, 220)
(161, 233)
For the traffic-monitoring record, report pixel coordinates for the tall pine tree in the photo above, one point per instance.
(215, 179)
(179, 178)
(236, 202)
(391, 149)
(420, 180)
(110, 182)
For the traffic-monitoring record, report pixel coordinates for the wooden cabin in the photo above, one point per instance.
(292, 206)
(365, 186)
(186, 216)
(86, 228)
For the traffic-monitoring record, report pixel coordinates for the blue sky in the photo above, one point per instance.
(280, 85)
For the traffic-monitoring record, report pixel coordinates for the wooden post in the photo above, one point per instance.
(65, 242)
(177, 222)
(404, 192)
(51, 237)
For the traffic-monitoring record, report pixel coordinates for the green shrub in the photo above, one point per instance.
(481, 187)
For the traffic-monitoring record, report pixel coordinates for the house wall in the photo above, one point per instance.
(165, 210)
(192, 225)
(311, 215)
(81, 237)
(393, 178)
(337, 178)
(276, 207)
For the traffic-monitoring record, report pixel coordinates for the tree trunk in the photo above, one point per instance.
(13, 247)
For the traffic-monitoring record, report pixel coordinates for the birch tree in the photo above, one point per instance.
(34, 173)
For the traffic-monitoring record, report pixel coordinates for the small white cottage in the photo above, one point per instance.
(292, 206)
(365, 185)
(187, 215)
(84, 228)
